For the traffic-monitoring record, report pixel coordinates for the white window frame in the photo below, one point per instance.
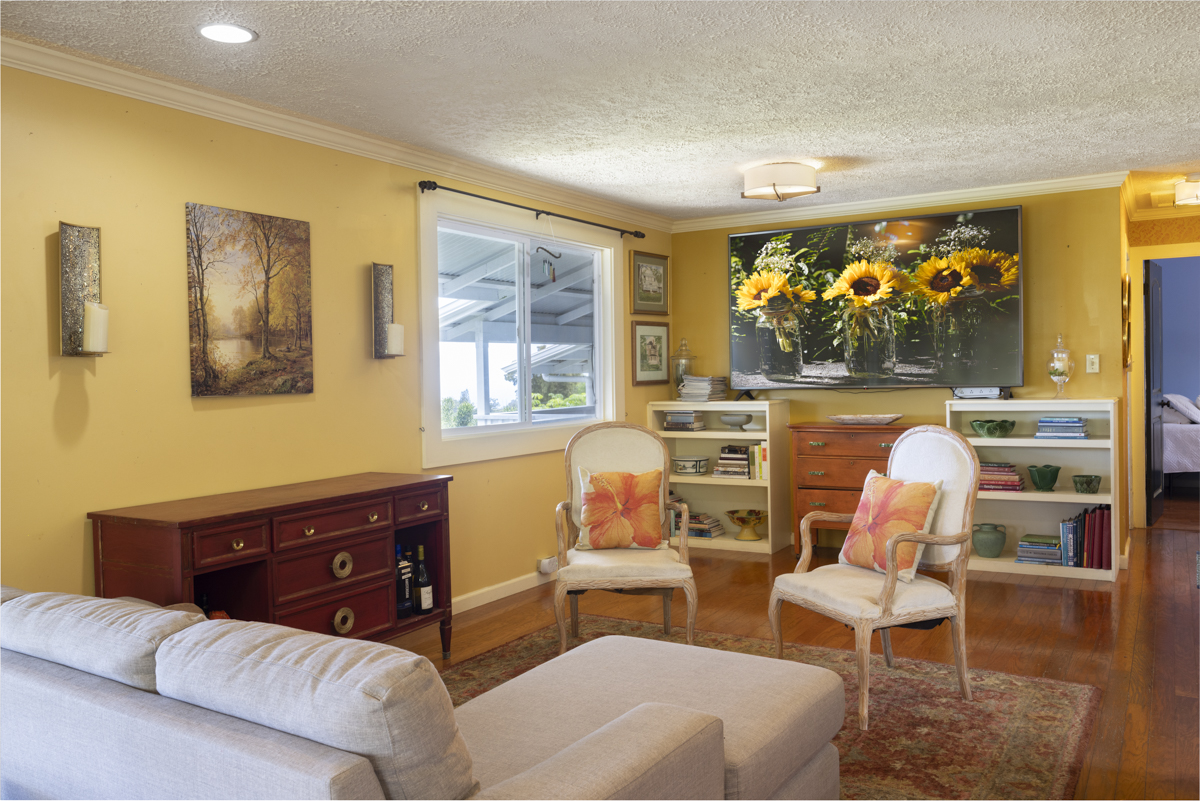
(455, 446)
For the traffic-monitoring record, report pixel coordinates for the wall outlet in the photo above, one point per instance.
(547, 565)
(1093, 362)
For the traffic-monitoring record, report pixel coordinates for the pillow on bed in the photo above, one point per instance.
(1184, 407)
(1172, 416)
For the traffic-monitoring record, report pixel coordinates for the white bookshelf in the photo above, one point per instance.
(1032, 512)
(769, 419)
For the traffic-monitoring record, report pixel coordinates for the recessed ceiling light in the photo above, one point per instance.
(229, 34)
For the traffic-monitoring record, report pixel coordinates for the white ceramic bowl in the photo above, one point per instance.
(690, 465)
(737, 422)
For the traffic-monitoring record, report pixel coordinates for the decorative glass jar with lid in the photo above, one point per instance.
(1060, 368)
(683, 362)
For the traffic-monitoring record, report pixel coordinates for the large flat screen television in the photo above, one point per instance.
(930, 301)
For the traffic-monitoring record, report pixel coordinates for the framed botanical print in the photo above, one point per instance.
(648, 283)
(651, 363)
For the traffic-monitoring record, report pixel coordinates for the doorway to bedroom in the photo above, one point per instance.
(1180, 377)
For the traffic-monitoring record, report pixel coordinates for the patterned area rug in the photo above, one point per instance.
(1019, 738)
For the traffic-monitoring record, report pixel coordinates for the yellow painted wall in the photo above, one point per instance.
(1071, 255)
(83, 434)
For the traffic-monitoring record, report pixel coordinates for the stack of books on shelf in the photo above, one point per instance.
(702, 524)
(1062, 428)
(702, 388)
(1087, 538)
(1000, 477)
(1040, 549)
(734, 462)
(684, 421)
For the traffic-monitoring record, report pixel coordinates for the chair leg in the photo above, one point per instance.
(560, 597)
(862, 647)
(574, 615)
(959, 634)
(689, 592)
(885, 636)
(774, 609)
(667, 611)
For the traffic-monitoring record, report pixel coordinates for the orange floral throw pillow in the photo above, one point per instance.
(621, 510)
(889, 507)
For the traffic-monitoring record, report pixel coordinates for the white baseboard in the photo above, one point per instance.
(495, 592)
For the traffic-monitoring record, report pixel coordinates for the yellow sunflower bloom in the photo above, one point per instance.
(803, 295)
(760, 287)
(994, 270)
(939, 280)
(867, 283)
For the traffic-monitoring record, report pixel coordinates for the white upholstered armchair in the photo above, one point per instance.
(626, 448)
(867, 600)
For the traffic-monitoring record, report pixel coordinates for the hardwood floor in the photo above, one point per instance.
(1136, 639)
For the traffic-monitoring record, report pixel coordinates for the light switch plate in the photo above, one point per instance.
(1093, 362)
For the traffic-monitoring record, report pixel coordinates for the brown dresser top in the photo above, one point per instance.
(215, 508)
(841, 429)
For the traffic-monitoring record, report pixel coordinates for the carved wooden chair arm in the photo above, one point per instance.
(684, 517)
(806, 534)
(893, 567)
(562, 526)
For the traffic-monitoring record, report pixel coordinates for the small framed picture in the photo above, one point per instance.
(651, 362)
(648, 282)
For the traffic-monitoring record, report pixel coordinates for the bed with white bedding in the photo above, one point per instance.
(1181, 435)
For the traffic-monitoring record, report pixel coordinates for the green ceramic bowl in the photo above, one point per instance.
(993, 428)
(1089, 485)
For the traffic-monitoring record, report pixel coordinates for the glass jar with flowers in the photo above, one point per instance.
(775, 296)
(868, 321)
(1060, 368)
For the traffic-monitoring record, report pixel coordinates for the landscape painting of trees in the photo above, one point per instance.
(249, 303)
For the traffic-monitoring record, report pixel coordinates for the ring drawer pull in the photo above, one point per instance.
(816, 472)
(238, 544)
(372, 517)
(817, 444)
(423, 506)
(343, 620)
(309, 531)
(343, 563)
(816, 503)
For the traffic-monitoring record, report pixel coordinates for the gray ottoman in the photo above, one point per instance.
(779, 717)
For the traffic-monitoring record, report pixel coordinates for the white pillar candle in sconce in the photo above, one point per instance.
(95, 328)
(395, 339)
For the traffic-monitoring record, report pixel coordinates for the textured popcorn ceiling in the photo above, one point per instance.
(660, 105)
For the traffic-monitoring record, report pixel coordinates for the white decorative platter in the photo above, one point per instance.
(864, 419)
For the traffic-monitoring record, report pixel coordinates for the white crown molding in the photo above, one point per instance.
(869, 208)
(1167, 213)
(65, 67)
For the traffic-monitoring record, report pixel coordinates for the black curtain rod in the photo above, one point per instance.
(432, 185)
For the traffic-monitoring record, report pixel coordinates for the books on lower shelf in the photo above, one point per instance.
(1062, 428)
(702, 388)
(742, 461)
(683, 420)
(1000, 477)
(700, 524)
(1084, 540)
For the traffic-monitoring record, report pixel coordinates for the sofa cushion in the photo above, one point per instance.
(776, 714)
(8, 593)
(367, 698)
(103, 636)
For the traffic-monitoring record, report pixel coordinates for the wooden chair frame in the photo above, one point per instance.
(863, 627)
(568, 535)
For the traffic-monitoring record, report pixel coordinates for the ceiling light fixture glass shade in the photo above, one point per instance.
(780, 181)
(229, 34)
(1187, 192)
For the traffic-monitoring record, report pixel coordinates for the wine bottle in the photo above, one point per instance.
(424, 587)
(404, 584)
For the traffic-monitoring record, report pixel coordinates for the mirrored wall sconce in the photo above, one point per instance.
(388, 336)
(84, 321)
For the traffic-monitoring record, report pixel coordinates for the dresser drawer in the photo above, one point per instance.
(844, 473)
(419, 505)
(844, 443)
(317, 570)
(355, 614)
(226, 544)
(338, 521)
(843, 502)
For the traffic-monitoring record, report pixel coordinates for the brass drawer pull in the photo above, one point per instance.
(816, 472)
(885, 444)
(816, 503)
(817, 444)
(309, 531)
(343, 563)
(238, 544)
(343, 620)
(423, 506)
(371, 518)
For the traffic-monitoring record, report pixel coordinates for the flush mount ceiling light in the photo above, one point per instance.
(229, 34)
(1187, 191)
(780, 181)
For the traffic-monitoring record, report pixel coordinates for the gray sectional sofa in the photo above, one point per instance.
(109, 698)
